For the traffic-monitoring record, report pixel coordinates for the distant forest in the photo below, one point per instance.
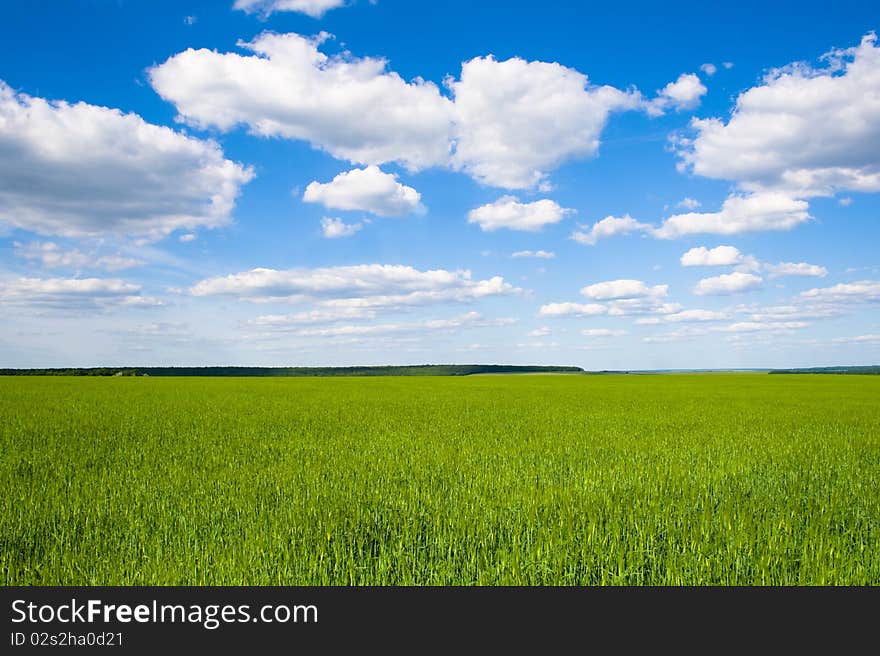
(413, 370)
(871, 370)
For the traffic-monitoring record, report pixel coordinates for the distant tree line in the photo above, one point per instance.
(410, 370)
(870, 370)
(92, 371)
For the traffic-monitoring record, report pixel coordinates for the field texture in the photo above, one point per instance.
(674, 479)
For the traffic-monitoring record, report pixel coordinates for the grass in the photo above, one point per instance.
(688, 479)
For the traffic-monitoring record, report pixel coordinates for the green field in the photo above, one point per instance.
(672, 479)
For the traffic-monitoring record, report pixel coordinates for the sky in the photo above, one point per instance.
(347, 182)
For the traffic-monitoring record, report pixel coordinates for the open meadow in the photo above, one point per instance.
(554, 479)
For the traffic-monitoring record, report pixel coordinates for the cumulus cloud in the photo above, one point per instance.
(353, 108)
(638, 306)
(360, 286)
(749, 213)
(688, 203)
(507, 123)
(368, 189)
(730, 255)
(316, 316)
(602, 332)
(336, 228)
(544, 255)
(860, 291)
(681, 334)
(755, 326)
(608, 227)
(508, 212)
(709, 69)
(805, 130)
(467, 320)
(51, 256)
(789, 312)
(572, 309)
(81, 170)
(684, 93)
(736, 330)
(516, 120)
(621, 298)
(718, 256)
(858, 339)
(684, 316)
(313, 8)
(623, 289)
(73, 293)
(795, 269)
(728, 283)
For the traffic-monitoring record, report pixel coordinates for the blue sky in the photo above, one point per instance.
(329, 182)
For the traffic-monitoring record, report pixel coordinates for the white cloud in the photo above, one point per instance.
(353, 108)
(806, 131)
(729, 283)
(543, 331)
(544, 255)
(624, 297)
(861, 291)
(736, 329)
(186, 238)
(623, 289)
(72, 293)
(684, 316)
(359, 286)
(116, 262)
(82, 170)
(507, 123)
(313, 8)
(648, 305)
(572, 309)
(695, 315)
(688, 203)
(684, 93)
(538, 345)
(368, 189)
(52, 256)
(755, 212)
(316, 316)
(846, 201)
(756, 326)
(516, 120)
(508, 212)
(686, 332)
(718, 256)
(858, 339)
(730, 255)
(727, 65)
(789, 312)
(336, 228)
(467, 320)
(609, 227)
(795, 269)
(709, 69)
(602, 332)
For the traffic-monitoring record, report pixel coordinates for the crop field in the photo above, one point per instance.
(570, 480)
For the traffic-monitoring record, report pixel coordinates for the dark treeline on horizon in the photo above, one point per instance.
(406, 370)
(385, 370)
(870, 369)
